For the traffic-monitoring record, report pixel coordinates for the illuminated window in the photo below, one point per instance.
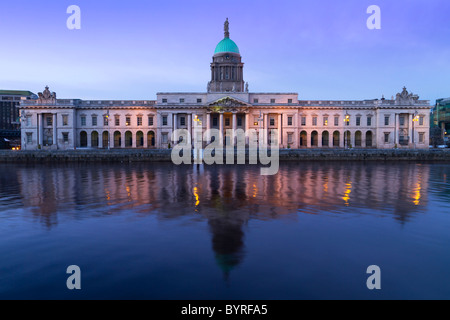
(325, 121)
(421, 120)
(127, 121)
(105, 120)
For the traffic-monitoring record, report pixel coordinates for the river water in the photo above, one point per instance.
(160, 231)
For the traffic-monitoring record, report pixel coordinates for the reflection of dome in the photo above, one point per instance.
(226, 45)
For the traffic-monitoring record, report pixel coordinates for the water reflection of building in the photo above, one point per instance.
(226, 196)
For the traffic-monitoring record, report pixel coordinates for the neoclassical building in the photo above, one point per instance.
(51, 123)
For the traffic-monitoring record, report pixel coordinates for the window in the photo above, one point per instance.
(401, 121)
(227, 122)
(28, 121)
(272, 100)
(421, 120)
(386, 137)
(139, 120)
(421, 137)
(199, 100)
(182, 121)
(303, 121)
(127, 121)
(164, 120)
(272, 121)
(94, 121)
(369, 121)
(325, 121)
(164, 137)
(150, 120)
(164, 100)
(314, 121)
(83, 120)
(386, 120)
(65, 120)
(358, 121)
(105, 120)
(117, 120)
(289, 121)
(255, 121)
(181, 100)
(336, 121)
(255, 101)
(289, 100)
(215, 121)
(29, 137)
(239, 122)
(50, 121)
(65, 137)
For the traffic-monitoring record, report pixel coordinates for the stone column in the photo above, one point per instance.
(41, 129)
(308, 139)
(342, 139)
(55, 132)
(189, 125)
(174, 127)
(234, 126)
(123, 138)
(89, 139)
(319, 139)
(280, 129)
(100, 139)
(397, 127)
(208, 127)
(247, 126)
(410, 128)
(221, 126)
(133, 139)
(265, 126)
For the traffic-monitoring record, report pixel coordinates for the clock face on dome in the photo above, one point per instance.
(227, 57)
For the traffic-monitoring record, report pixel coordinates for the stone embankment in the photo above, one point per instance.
(136, 155)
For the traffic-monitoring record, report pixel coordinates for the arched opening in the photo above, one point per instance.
(117, 139)
(347, 139)
(303, 137)
(128, 139)
(325, 139)
(336, 138)
(314, 139)
(105, 139)
(358, 139)
(139, 139)
(94, 139)
(83, 139)
(150, 139)
(369, 137)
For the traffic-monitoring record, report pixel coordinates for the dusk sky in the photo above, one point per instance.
(133, 49)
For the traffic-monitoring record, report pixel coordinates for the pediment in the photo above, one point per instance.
(227, 104)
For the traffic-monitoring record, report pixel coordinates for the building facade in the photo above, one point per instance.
(50, 123)
(440, 118)
(9, 116)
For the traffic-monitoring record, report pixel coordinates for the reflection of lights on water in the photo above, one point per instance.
(417, 194)
(325, 185)
(128, 193)
(347, 192)
(255, 191)
(197, 199)
(108, 195)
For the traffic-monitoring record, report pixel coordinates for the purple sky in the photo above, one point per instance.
(133, 49)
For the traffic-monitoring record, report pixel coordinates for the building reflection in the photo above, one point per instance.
(226, 196)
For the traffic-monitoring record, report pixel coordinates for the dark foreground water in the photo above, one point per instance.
(159, 231)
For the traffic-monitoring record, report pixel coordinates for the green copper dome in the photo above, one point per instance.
(226, 45)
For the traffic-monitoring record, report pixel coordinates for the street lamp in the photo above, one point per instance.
(346, 121)
(107, 123)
